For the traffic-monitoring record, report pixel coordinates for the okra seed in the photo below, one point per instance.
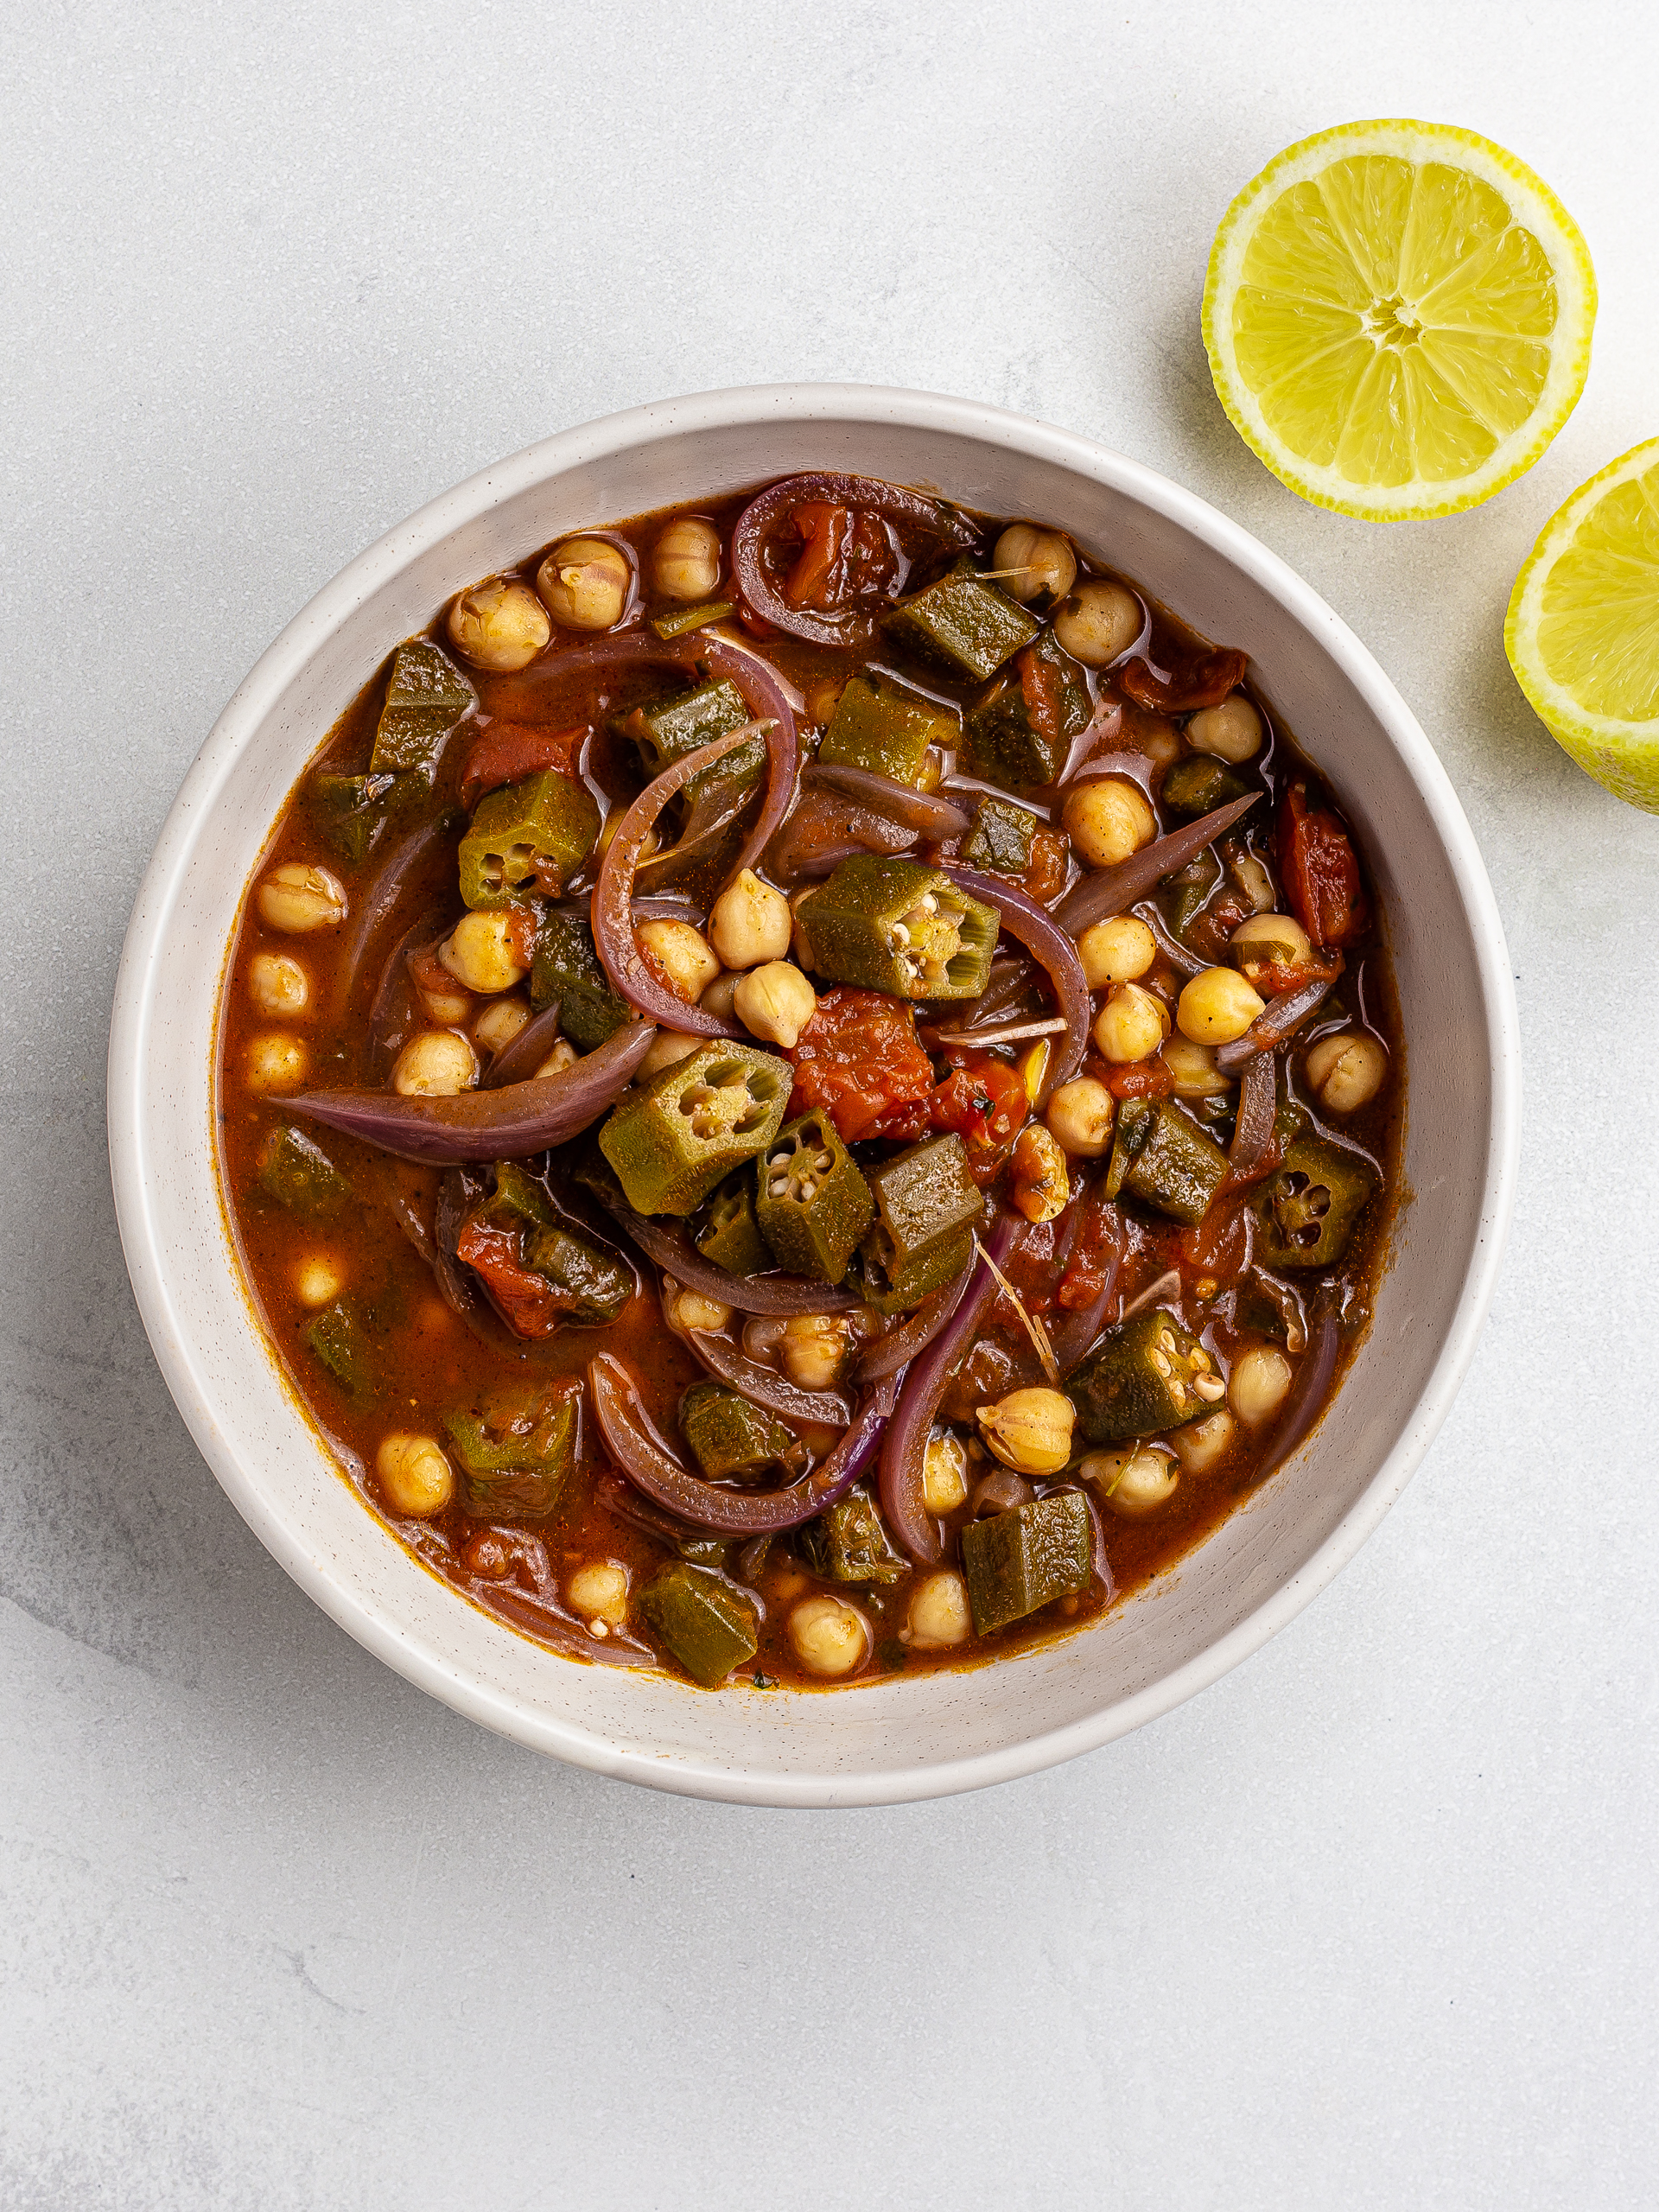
(1166, 1339)
(297, 898)
(278, 984)
(586, 583)
(830, 1637)
(499, 624)
(1161, 1363)
(1030, 562)
(415, 1475)
(276, 1063)
(1231, 731)
(938, 1617)
(436, 1064)
(1099, 622)
(1210, 1387)
(685, 560)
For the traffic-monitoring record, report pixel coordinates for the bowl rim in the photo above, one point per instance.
(374, 1625)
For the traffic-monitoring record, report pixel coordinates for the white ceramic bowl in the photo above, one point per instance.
(898, 1739)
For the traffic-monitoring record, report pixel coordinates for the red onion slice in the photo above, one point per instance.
(1282, 1018)
(1071, 1338)
(888, 1354)
(910, 514)
(928, 817)
(767, 699)
(521, 1056)
(675, 1253)
(765, 1385)
(1043, 938)
(904, 1448)
(1307, 1393)
(640, 1452)
(1114, 890)
(400, 870)
(456, 1285)
(1258, 1102)
(506, 1124)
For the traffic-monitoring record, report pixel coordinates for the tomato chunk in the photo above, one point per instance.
(983, 1100)
(528, 1301)
(505, 752)
(1193, 679)
(1321, 871)
(859, 1059)
(846, 555)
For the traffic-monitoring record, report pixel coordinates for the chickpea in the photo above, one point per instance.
(1253, 880)
(563, 1055)
(691, 1309)
(451, 1007)
(776, 1002)
(1081, 1114)
(830, 1637)
(749, 922)
(1030, 1430)
(297, 898)
(1217, 1006)
(1042, 559)
(276, 1063)
(1132, 1024)
(482, 952)
(944, 1474)
(1203, 1445)
(685, 560)
(499, 1023)
(499, 624)
(1347, 1069)
(1116, 952)
(1041, 1185)
(586, 583)
(822, 697)
(813, 1350)
(939, 1618)
(278, 984)
(1108, 817)
(435, 1063)
(1135, 1480)
(1231, 731)
(599, 1591)
(415, 1475)
(720, 996)
(683, 955)
(666, 1049)
(319, 1279)
(1268, 941)
(1259, 1384)
(1099, 622)
(1194, 1069)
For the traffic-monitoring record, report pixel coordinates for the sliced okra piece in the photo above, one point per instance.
(730, 1437)
(703, 1622)
(426, 696)
(1186, 893)
(527, 839)
(923, 1195)
(1006, 743)
(811, 1203)
(1200, 785)
(352, 811)
(681, 619)
(295, 1171)
(687, 1129)
(565, 967)
(1306, 1212)
(965, 622)
(338, 1338)
(1148, 1373)
(1161, 1156)
(901, 1287)
(894, 926)
(728, 1235)
(1000, 837)
(848, 1543)
(591, 1284)
(667, 729)
(1016, 1562)
(884, 726)
(515, 1450)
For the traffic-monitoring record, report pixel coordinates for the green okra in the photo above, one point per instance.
(1016, 1562)
(1308, 1212)
(731, 1438)
(1000, 837)
(965, 622)
(338, 1338)
(667, 729)
(1199, 785)
(516, 1449)
(811, 1203)
(900, 1287)
(426, 696)
(527, 840)
(894, 925)
(1148, 1373)
(885, 727)
(692, 1124)
(295, 1171)
(706, 1624)
(1161, 1156)
(352, 811)
(846, 1542)
(566, 967)
(728, 1235)
(1002, 742)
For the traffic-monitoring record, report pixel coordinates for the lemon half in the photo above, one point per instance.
(1398, 318)
(1582, 632)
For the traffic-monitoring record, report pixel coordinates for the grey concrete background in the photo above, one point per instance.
(1369, 1924)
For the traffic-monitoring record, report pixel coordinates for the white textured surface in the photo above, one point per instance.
(1371, 1923)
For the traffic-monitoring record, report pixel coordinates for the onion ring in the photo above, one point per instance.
(1114, 890)
(910, 511)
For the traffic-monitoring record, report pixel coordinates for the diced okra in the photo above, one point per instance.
(426, 696)
(1308, 1212)
(515, 1450)
(902, 1286)
(885, 727)
(965, 622)
(1185, 893)
(730, 1437)
(923, 1195)
(667, 729)
(565, 967)
(684, 618)
(1000, 837)
(706, 1624)
(1002, 742)
(894, 926)
(1141, 1379)
(848, 1543)
(729, 1235)
(527, 839)
(1016, 1562)
(1200, 785)
(295, 1171)
(338, 1338)
(811, 1203)
(672, 1141)
(1161, 1156)
(590, 1284)
(352, 811)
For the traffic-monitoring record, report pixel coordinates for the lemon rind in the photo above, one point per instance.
(1534, 205)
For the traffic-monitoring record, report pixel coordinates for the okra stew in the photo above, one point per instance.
(809, 1088)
